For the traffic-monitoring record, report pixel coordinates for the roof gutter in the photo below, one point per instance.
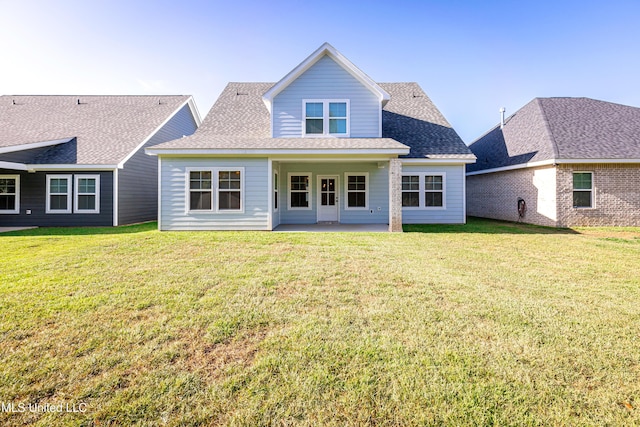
(213, 152)
(553, 162)
(33, 145)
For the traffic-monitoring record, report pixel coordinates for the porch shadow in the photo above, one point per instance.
(332, 227)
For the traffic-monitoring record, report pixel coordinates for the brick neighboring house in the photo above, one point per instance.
(574, 162)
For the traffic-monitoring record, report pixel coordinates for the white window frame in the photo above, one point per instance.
(422, 190)
(276, 191)
(16, 209)
(325, 119)
(188, 190)
(215, 190)
(69, 194)
(309, 190)
(218, 190)
(592, 190)
(76, 192)
(347, 191)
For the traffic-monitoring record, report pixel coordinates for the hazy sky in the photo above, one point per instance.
(471, 57)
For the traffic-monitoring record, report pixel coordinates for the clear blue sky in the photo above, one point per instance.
(471, 57)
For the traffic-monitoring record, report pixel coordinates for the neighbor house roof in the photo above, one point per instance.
(239, 120)
(561, 129)
(96, 130)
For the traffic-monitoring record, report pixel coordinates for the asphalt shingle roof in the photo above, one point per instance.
(240, 120)
(561, 128)
(106, 128)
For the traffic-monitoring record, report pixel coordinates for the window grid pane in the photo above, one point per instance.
(411, 199)
(582, 181)
(411, 183)
(433, 199)
(433, 182)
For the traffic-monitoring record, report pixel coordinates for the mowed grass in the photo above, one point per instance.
(489, 323)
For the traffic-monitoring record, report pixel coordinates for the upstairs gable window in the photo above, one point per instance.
(326, 118)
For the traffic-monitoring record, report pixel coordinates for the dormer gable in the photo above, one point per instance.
(326, 96)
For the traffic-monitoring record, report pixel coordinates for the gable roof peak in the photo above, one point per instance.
(325, 50)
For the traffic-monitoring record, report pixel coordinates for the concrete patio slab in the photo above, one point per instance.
(8, 229)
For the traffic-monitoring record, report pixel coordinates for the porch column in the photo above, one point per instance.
(395, 195)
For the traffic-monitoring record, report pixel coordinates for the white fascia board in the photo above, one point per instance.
(326, 48)
(13, 166)
(64, 167)
(31, 146)
(553, 162)
(437, 161)
(155, 131)
(240, 152)
(589, 161)
(514, 167)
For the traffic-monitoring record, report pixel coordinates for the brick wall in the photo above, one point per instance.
(495, 195)
(616, 200)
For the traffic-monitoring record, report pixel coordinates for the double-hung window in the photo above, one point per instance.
(200, 190)
(583, 189)
(58, 194)
(423, 191)
(326, 117)
(215, 190)
(9, 194)
(357, 190)
(87, 194)
(299, 190)
(229, 190)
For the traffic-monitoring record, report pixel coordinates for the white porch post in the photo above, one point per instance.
(395, 195)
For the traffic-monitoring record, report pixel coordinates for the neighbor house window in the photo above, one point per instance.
(326, 117)
(583, 189)
(58, 194)
(229, 190)
(9, 194)
(411, 191)
(87, 194)
(357, 185)
(200, 190)
(300, 191)
(423, 191)
(434, 189)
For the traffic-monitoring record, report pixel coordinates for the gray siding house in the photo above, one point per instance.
(79, 160)
(324, 144)
(573, 161)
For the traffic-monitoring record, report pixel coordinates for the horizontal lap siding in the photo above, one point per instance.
(326, 80)
(378, 193)
(454, 194)
(173, 198)
(33, 196)
(138, 180)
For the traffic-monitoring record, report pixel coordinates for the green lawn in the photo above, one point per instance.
(484, 324)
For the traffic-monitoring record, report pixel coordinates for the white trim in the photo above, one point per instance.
(115, 198)
(319, 196)
(553, 162)
(309, 190)
(325, 118)
(464, 197)
(76, 194)
(16, 209)
(159, 193)
(69, 167)
(366, 191)
(157, 129)
(187, 187)
(341, 60)
(13, 166)
(513, 167)
(218, 189)
(215, 190)
(592, 190)
(422, 191)
(270, 151)
(69, 194)
(33, 145)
